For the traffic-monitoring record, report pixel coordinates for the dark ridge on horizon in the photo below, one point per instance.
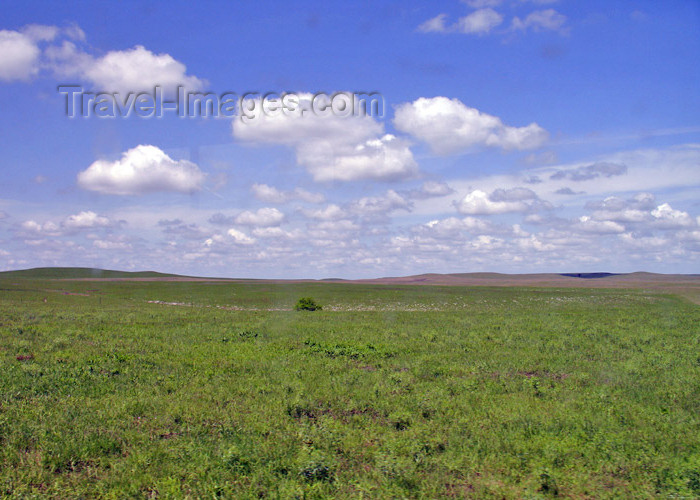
(82, 272)
(591, 275)
(86, 272)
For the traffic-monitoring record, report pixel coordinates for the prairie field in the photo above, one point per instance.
(211, 389)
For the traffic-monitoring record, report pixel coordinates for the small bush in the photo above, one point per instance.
(307, 304)
(400, 421)
(317, 471)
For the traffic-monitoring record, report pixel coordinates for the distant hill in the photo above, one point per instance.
(80, 273)
(590, 275)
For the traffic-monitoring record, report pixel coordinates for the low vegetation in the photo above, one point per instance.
(148, 389)
(307, 304)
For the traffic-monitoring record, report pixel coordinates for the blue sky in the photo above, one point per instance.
(517, 136)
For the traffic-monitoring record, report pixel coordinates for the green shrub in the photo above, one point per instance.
(307, 304)
(317, 471)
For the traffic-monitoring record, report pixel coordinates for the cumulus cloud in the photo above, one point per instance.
(634, 210)
(177, 227)
(264, 217)
(383, 158)
(641, 201)
(222, 241)
(590, 172)
(666, 217)
(85, 220)
(641, 213)
(329, 212)
(370, 205)
(448, 126)
(500, 201)
(111, 245)
(131, 70)
(61, 51)
(275, 232)
(585, 223)
(136, 69)
(222, 220)
(47, 228)
(71, 224)
(434, 25)
(452, 226)
(542, 20)
(331, 147)
(271, 194)
(239, 237)
(433, 188)
(430, 189)
(143, 169)
(19, 56)
(479, 22)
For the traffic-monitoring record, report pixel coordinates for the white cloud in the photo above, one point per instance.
(624, 215)
(124, 71)
(433, 188)
(452, 226)
(611, 204)
(590, 172)
(111, 245)
(666, 217)
(19, 56)
(585, 223)
(331, 147)
(479, 22)
(385, 158)
(337, 225)
(380, 205)
(430, 189)
(434, 25)
(85, 220)
(69, 225)
(533, 243)
(138, 69)
(221, 242)
(60, 50)
(271, 194)
(264, 217)
(500, 201)
(448, 126)
(44, 33)
(143, 169)
(542, 20)
(642, 212)
(330, 212)
(47, 228)
(645, 243)
(240, 238)
(274, 232)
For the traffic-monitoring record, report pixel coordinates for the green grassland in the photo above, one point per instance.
(388, 392)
